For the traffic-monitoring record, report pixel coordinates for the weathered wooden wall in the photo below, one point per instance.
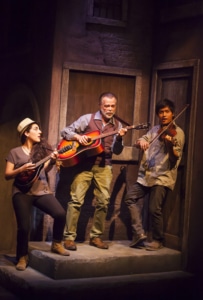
(61, 34)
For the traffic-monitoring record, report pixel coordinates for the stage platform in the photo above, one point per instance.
(91, 273)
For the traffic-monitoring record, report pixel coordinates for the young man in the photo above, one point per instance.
(162, 152)
(96, 169)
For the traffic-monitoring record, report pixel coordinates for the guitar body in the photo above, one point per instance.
(78, 152)
(25, 180)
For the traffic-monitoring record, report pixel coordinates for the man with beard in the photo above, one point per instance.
(96, 169)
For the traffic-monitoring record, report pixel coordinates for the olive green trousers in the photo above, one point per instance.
(101, 178)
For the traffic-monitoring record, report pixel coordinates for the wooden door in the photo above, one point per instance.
(176, 83)
(86, 87)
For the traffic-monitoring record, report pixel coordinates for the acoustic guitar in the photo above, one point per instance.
(78, 152)
(25, 180)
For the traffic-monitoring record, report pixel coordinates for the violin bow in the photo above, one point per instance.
(178, 115)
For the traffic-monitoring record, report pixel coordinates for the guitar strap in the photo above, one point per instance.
(121, 120)
(115, 116)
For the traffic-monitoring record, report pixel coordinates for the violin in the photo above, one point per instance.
(170, 131)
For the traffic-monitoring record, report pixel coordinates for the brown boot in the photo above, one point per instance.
(97, 242)
(22, 263)
(70, 245)
(59, 249)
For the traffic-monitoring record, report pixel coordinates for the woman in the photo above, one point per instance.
(28, 164)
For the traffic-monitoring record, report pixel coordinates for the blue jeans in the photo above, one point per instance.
(101, 178)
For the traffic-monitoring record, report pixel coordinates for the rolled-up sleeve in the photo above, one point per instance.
(77, 126)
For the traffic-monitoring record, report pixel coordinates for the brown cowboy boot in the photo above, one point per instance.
(97, 242)
(70, 245)
(22, 263)
(59, 249)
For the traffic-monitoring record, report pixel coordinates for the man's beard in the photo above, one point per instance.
(107, 116)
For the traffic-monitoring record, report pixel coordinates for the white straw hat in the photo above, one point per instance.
(24, 124)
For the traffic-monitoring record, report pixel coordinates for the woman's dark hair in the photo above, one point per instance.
(163, 103)
(40, 150)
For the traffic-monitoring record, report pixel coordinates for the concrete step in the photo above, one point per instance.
(90, 273)
(89, 261)
(33, 285)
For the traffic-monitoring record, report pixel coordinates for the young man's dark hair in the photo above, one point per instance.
(163, 103)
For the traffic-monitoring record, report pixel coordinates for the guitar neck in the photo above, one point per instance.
(103, 135)
(42, 161)
(100, 136)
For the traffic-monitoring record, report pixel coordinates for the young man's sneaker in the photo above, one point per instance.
(138, 240)
(154, 245)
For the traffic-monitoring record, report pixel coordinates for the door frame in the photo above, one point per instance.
(194, 64)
